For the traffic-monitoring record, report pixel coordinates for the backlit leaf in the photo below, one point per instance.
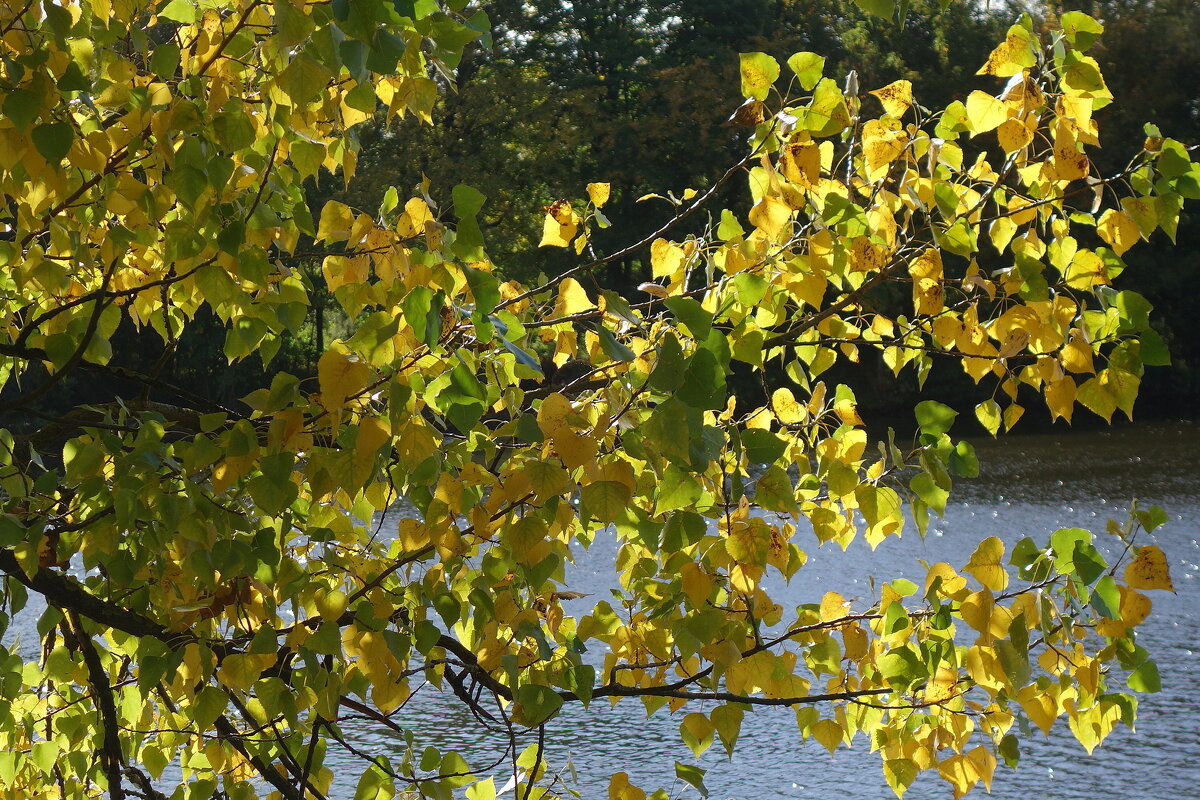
(1149, 570)
(759, 72)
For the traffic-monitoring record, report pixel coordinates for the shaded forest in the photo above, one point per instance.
(640, 94)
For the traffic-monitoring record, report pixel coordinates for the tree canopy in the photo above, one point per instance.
(218, 594)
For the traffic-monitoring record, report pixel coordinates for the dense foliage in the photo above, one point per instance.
(216, 595)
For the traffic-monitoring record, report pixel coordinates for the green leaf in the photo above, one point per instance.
(1151, 518)
(693, 776)
(763, 447)
(808, 67)
(484, 288)
(1088, 563)
(1010, 750)
(930, 493)
(468, 240)
(53, 140)
(691, 314)
(901, 667)
(773, 490)
(374, 784)
(934, 418)
(668, 369)
(613, 348)
(669, 431)
(1063, 543)
(703, 382)
(879, 8)
(899, 773)
(303, 79)
(1106, 598)
(581, 679)
(1080, 29)
(606, 500)
(963, 461)
(751, 288)
(1145, 678)
(678, 489)
(22, 107)
(535, 705)
(182, 11)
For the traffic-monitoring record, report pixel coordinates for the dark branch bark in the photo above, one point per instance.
(111, 757)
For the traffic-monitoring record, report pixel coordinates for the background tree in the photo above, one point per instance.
(215, 594)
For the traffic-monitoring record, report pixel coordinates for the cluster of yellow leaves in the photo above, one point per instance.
(520, 422)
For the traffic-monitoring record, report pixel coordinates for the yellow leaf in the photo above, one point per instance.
(341, 376)
(1069, 163)
(960, 772)
(801, 162)
(771, 216)
(697, 584)
(619, 788)
(1060, 397)
(1013, 55)
(560, 226)
(828, 733)
(1085, 271)
(388, 694)
(847, 412)
(1144, 212)
(854, 642)
(758, 71)
(572, 299)
(984, 112)
(952, 584)
(1039, 705)
(1134, 609)
(413, 535)
(833, 606)
(927, 273)
(942, 686)
(241, 670)
(556, 414)
(599, 193)
(666, 259)
(787, 409)
(987, 566)
(1001, 232)
(984, 763)
(1119, 229)
(976, 610)
(373, 433)
(336, 221)
(412, 221)
(1076, 356)
(1012, 135)
(699, 729)
(559, 421)
(896, 97)
(988, 414)
(343, 270)
(883, 142)
(1149, 570)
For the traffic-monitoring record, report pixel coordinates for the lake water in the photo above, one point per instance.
(1030, 486)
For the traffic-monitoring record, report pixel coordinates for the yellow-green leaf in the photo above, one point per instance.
(759, 72)
(1149, 570)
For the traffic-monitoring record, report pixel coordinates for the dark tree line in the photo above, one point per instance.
(638, 93)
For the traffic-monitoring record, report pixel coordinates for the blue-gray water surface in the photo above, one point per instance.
(1029, 486)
